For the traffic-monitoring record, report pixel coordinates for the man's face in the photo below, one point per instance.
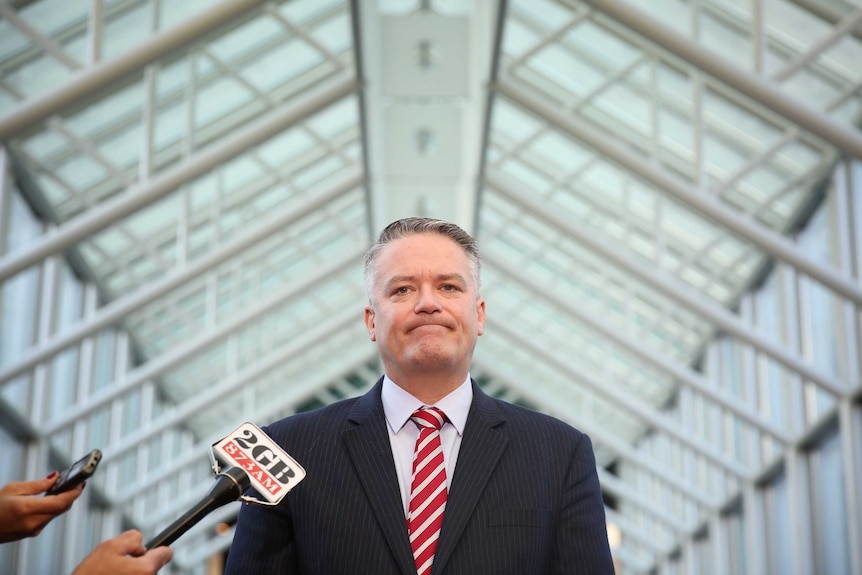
(425, 315)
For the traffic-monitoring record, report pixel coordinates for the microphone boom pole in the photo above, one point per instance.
(229, 486)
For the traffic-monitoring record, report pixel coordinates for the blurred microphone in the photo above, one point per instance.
(229, 486)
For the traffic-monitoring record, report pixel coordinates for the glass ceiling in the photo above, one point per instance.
(203, 163)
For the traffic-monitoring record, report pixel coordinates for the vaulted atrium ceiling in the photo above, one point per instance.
(216, 169)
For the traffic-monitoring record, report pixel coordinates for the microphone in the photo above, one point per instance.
(229, 486)
(257, 461)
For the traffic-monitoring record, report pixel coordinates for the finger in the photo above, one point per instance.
(60, 503)
(68, 497)
(41, 510)
(30, 487)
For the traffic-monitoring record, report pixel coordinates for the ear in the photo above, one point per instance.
(369, 322)
(480, 310)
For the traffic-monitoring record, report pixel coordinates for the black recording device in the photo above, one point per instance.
(77, 473)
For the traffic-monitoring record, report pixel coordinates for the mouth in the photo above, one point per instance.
(428, 326)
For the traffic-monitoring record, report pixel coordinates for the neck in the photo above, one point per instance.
(429, 389)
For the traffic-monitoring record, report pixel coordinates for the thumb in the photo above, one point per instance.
(130, 542)
(158, 557)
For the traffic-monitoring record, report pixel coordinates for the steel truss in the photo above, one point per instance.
(168, 426)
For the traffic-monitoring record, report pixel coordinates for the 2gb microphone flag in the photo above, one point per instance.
(272, 471)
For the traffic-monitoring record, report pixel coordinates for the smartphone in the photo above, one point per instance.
(77, 473)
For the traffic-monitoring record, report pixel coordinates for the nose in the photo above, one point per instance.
(427, 301)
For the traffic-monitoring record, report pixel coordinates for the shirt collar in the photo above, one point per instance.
(399, 405)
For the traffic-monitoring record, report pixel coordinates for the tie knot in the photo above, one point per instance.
(430, 417)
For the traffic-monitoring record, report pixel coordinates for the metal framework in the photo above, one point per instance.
(668, 204)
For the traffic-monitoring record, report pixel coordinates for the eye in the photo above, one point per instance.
(450, 287)
(401, 290)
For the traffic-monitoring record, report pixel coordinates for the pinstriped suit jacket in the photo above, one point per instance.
(524, 498)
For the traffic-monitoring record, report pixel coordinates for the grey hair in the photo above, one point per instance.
(415, 226)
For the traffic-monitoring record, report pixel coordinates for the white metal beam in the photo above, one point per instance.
(619, 489)
(632, 404)
(770, 242)
(95, 78)
(120, 308)
(305, 389)
(106, 213)
(650, 540)
(842, 28)
(827, 11)
(850, 425)
(213, 393)
(158, 365)
(46, 44)
(200, 450)
(680, 373)
(842, 136)
(672, 288)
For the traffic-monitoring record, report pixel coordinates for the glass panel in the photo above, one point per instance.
(734, 525)
(778, 527)
(829, 507)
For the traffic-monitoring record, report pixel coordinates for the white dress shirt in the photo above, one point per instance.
(399, 405)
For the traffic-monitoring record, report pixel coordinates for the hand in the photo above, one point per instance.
(124, 554)
(23, 515)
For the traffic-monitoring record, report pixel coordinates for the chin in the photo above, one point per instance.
(432, 358)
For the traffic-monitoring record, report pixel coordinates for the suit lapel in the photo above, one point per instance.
(369, 448)
(481, 448)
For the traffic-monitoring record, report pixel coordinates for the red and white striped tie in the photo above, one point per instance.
(428, 488)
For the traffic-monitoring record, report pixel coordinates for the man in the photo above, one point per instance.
(498, 489)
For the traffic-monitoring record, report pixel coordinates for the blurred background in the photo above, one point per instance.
(667, 195)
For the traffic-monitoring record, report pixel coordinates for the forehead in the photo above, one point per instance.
(421, 251)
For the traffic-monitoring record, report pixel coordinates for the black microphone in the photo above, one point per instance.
(229, 486)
